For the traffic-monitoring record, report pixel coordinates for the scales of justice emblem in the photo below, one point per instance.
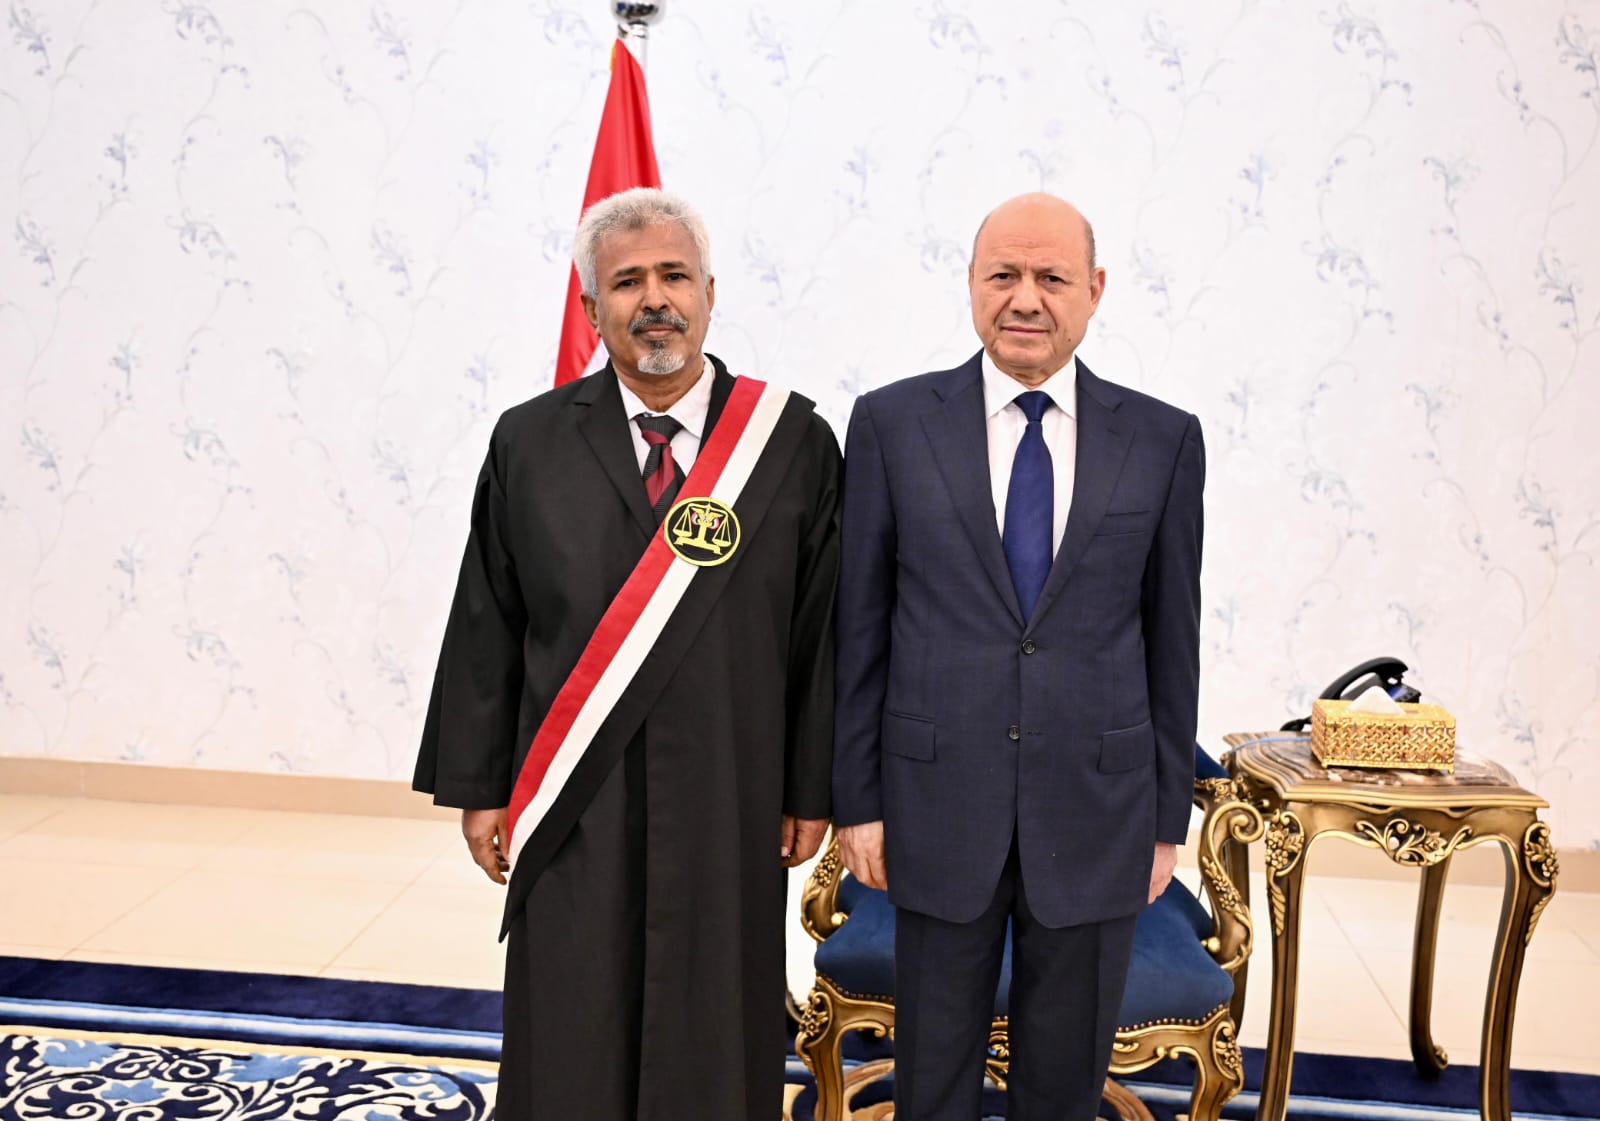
(702, 531)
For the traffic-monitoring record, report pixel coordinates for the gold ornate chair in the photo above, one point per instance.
(1180, 984)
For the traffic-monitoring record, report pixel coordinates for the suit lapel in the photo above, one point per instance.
(602, 424)
(960, 440)
(1103, 443)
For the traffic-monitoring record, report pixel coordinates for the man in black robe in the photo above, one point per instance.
(645, 916)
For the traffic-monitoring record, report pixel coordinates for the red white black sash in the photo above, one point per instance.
(637, 616)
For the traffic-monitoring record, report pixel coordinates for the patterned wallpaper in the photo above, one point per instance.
(276, 266)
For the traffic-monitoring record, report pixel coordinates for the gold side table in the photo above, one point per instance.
(1419, 819)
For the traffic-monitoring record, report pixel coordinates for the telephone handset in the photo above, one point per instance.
(1385, 673)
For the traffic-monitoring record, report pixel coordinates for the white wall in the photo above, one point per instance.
(275, 267)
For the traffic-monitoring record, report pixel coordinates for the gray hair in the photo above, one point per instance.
(634, 210)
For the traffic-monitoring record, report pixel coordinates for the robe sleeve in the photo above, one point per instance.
(468, 741)
(808, 755)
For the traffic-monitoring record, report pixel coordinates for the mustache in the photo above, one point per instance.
(646, 320)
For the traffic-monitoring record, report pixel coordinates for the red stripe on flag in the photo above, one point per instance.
(624, 157)
(625, 609)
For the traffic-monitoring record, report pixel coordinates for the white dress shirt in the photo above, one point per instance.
(1006, 424)
(689, 410)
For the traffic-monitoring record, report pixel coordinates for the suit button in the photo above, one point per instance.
(1014, 733)
(1029, 646)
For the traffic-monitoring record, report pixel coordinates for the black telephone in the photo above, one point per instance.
(1385, 673)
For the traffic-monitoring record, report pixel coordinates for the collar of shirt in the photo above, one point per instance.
(689, 410)
(1000, 388)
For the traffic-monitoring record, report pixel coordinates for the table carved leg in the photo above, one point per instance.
(1238, 868)
(1531, 869)
(1428, 1056)
(1286, 866)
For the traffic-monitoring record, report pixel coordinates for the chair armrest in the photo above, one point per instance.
(819, 910)
(1228, 819)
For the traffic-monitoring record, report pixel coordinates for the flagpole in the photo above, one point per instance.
(634, 18)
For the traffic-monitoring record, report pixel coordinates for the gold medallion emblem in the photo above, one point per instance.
(702, 531)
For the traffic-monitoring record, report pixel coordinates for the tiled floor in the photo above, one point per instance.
(393, 899)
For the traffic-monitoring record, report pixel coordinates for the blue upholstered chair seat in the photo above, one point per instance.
(1171, 976)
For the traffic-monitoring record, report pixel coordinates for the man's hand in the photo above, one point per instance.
(485, 831)
(862, 849)
(802, 837)
(1161, 871)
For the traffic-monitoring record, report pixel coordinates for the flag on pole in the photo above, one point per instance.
(624, 157)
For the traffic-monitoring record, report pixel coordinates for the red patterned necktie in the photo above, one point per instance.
(662, 476)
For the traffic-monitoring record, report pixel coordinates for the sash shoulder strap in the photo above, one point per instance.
(632, 654)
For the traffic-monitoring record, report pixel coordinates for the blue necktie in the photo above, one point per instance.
(1030, 506)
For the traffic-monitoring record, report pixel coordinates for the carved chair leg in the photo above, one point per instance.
(1219, 1074)
(818, 1044)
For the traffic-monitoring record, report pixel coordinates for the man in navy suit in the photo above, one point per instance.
(1017, 674)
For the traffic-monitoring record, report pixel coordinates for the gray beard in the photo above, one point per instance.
(660, 362)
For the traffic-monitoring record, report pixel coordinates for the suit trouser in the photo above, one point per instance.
(1066, 989)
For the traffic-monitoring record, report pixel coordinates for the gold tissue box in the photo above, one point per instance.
(1421, 739)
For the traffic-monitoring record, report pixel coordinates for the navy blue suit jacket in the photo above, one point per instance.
(956, 724)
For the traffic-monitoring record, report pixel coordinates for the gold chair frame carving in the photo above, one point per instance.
(1211, 1043)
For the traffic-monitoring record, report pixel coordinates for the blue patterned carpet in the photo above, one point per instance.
(135, 1043)
(45, 1077)
(131, 1043)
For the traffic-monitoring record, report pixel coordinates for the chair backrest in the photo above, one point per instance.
(1206, 767)
(1229, 823)
(819, 902)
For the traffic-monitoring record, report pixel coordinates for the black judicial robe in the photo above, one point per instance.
(645, 969)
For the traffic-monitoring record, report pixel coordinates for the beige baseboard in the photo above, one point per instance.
(195, 786)
(136, 782)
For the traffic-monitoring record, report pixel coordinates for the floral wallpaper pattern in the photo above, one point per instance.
(275, 266)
